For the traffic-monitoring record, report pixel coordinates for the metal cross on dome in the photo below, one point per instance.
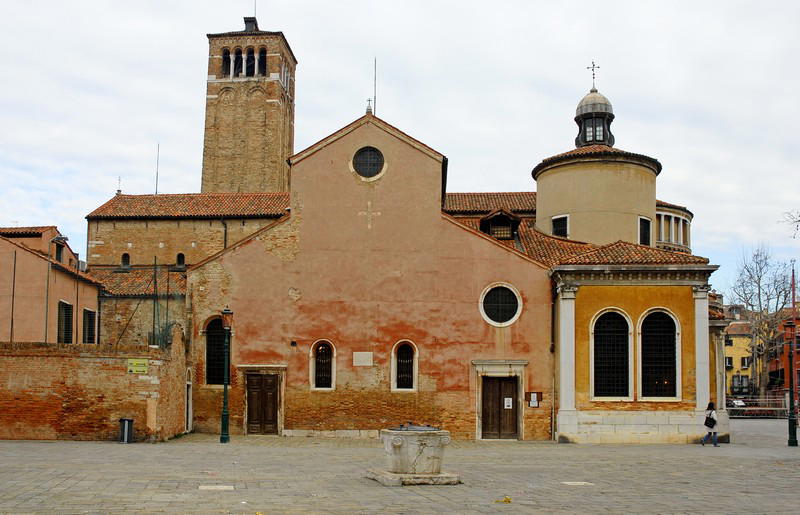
(593, 67)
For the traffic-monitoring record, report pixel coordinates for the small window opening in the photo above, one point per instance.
(250, 69)
(589, 126)
(226, 63)
(262, 62)
(126, 260)
(180, 260)
(237, 64)
(644, 231)
(64, 322)
(560, 226)
(59, 253)
(405, 366)
(598, 129)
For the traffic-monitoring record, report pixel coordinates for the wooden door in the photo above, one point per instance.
(262, 404)
(499, 406)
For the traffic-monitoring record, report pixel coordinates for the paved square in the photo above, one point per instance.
(757, 474)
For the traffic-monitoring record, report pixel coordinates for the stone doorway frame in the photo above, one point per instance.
(499, 368)
(280, 370)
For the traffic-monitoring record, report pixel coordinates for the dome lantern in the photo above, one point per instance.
(594, 115)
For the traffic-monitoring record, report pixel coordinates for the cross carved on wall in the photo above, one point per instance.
(369, 213)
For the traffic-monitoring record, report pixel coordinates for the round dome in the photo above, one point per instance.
(593, 102)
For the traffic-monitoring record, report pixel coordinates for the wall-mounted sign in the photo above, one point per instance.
(508, 403)
(137, 365)
(533, 399)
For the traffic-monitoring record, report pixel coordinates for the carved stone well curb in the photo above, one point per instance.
(414, 457)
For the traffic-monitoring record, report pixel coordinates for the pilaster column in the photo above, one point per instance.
(701, 358)
(566, 346)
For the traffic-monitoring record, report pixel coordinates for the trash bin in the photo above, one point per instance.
(126, 430)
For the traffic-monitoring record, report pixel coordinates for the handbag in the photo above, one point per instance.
(710, 422)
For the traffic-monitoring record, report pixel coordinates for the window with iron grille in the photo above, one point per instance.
(405, 366)
(323, 365)
(659, 361)
(611, 363)
(644, 231)
(368, 162)
(560, 226)
(500, 304)
(89, 323)
(502, 231)
(64, 322)
(215, 352)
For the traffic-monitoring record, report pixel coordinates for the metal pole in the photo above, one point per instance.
(224, 437)
(792, 417)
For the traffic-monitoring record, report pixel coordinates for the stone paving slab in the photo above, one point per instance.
(757, 474)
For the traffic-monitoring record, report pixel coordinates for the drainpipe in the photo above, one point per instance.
(553, 295)
(225, 233)
(13, 295)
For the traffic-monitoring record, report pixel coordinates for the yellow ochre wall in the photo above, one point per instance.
(634, 301)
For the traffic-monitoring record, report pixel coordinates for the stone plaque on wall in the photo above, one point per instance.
(362, 359)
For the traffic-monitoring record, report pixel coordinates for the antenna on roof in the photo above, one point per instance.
(375, 85)
(158, 155)
(255, 6)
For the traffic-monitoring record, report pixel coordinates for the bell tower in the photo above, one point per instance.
(249, 125)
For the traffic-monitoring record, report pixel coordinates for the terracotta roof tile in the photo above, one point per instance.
(25, 231)
(550, 250)
(193, 205)
(474, 203)
(139, 281)
(624, 253)
(594, 151)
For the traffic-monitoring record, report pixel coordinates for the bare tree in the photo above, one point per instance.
(763, 287)
(793, 218)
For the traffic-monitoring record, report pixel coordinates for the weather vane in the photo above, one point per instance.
(593, 67)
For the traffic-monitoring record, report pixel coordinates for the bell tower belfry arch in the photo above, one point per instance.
(249, 124)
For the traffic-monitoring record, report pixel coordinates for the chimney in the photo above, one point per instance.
(250, 24)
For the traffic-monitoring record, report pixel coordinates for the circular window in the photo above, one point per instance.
(368, 162)
(500, 305)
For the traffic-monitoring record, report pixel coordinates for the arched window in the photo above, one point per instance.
(226, 63)
(215, 352)
(262, 62)
(180, 260)
(250, 67)
(404, 378)
(323, 365)
(611, 356)
(237, 63)
(125, 262)
(659, 356)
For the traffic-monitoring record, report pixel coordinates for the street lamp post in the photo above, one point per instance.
(792, 342)
(57, 239)
(227, 320)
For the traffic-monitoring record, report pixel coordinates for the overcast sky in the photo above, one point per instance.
(708, 88)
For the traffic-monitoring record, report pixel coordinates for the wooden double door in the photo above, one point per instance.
(499, 408)
(262, 403)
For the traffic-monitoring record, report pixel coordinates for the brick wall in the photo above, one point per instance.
(164, 239)
(129, 320)
(249, 125)
(79, 392)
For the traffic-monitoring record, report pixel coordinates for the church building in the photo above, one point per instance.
(365, 295)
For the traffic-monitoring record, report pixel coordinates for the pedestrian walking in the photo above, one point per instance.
(710, 424)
